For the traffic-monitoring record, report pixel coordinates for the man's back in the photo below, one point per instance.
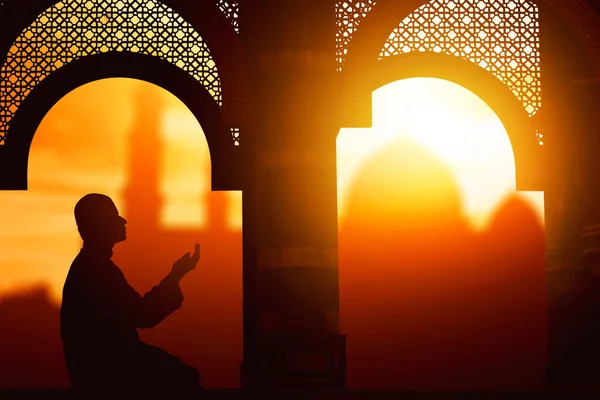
(96, 327)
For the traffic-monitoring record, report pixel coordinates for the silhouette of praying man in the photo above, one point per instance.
(101, 312)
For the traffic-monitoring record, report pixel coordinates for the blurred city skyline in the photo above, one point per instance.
(420, 289)
(81, 146)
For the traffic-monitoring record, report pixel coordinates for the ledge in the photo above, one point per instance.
(219, 394)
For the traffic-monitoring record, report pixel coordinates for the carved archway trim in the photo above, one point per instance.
(205, 17)
(227, 49)
(14, 154)
(385, 15)
(499, 97)
(71, 29)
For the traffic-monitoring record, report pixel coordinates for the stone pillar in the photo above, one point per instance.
(589, 103)
(291, 310)
(568, 122)
(573, 237)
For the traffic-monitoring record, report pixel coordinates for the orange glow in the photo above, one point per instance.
(453, 124)
(80, 147)
(186, 170)
(419, 288)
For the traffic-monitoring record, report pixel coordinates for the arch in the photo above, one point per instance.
(231, 9)
(494, 93)
(500, 36)
(386, 15)
(204, 16)
(69, 30)
(14, 154)
(503, 39)
(349, 15)
(578, 15)
(228, 51)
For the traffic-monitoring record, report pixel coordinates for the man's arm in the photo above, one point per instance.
(156, 305)
(163, 299)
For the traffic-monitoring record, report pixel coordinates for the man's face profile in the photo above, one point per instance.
(98, 219)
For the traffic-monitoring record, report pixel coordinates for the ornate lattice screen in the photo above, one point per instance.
(501, 36)
(349, 14)
(231, 9)
(235, 133)
(73, 29)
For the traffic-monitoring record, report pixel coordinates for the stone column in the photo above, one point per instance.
(291, 310)
(588, 92)
(573, 237)
(569, 124)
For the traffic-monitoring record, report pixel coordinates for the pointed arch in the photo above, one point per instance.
(14, 155)
(501, 37)
(387, 14)
(518, 125)
(72, 29)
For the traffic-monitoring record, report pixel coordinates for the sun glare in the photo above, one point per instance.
(453, 124)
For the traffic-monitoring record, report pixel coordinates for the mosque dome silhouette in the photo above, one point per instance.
(515, 216)
(404, 184)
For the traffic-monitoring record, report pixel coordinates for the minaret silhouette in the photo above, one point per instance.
(142, 193)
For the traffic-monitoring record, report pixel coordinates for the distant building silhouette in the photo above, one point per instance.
(514, 218)
(142, 198)
(404, 193)
(211, 316)
(427, 303)
(30, 345)
(419, 291)
(514, 253)
(401, 247)
(142, 194)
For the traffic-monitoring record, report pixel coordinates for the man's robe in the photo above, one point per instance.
(100, 314)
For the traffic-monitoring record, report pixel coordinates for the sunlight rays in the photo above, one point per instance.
(452, 123)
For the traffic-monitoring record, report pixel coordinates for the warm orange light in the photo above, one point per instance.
(81, 146)
(79, 149)
(452, 123)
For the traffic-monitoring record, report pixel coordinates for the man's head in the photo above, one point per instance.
(98, 220)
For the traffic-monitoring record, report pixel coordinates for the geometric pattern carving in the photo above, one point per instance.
(349, 14)
(235, 133)
(501, 36)
(231, 9)
(540, 137)
(72, 29)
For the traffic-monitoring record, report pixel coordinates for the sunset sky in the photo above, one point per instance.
(81, 147)
(451, 122)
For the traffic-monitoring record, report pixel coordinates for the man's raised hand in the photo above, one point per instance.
(196, 257)
(186, 263)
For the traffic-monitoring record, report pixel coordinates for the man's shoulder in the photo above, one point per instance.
(80, 264)
(84, 257)
(86, 265)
